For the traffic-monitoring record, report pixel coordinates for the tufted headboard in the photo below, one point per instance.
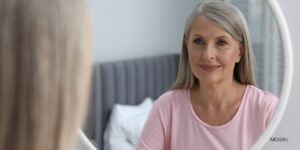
(126, 82)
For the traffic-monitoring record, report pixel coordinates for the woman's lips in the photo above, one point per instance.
(208, 67)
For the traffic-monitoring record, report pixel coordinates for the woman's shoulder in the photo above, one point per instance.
(257, 92)
(261, 97)
(173, 97)
(173, 94)
(261, 102)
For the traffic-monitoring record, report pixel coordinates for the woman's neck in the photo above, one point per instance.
(218, 97)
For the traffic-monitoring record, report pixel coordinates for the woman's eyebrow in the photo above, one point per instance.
(223, 37)
(197, 35)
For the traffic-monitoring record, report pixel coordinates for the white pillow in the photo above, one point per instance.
(125, 125)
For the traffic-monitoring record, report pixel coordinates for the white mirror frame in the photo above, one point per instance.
(288, 74)
(85, 141)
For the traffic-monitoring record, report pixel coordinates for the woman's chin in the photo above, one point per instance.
(208, 81)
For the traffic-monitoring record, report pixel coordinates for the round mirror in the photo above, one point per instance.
(287, 74)
(135, 29)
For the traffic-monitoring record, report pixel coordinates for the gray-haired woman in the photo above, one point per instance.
(214, 103)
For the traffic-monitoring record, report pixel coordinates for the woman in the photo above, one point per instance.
(45, 69)
(214, 103)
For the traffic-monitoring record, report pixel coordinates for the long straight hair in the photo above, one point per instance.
(45, 69)
(228, 17)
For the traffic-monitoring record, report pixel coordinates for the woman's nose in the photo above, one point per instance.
(208, 52)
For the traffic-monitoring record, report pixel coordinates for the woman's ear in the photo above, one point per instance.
(241, 53)
(185, 42)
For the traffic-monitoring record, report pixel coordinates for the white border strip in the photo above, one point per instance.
(288, 75)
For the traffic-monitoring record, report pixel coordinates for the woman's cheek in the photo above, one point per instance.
(193, 57)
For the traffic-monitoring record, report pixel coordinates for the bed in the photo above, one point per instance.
(126, 82)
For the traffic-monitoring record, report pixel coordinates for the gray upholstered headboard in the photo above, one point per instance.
(126, 82)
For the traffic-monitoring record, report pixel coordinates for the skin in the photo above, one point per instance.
(213, 54)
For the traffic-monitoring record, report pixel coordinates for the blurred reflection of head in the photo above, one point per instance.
(45, 69)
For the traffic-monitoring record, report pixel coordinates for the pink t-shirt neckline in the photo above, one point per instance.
(235, 117)
(173, 124)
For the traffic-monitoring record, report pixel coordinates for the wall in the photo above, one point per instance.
(134, 28)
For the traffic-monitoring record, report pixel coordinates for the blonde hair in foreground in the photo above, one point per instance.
(45, 70)
(228, 17)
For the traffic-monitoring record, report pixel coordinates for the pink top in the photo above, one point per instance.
(173, 124)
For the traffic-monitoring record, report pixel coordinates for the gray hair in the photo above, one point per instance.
(45, 71)
(228, 17)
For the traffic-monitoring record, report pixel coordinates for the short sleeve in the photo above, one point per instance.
(155, 132)
(270, 109)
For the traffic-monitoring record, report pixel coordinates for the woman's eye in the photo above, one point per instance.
(198, 41)
(221, 42)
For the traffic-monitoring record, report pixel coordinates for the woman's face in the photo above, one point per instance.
(212, 52)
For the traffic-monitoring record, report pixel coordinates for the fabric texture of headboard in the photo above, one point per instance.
(126, 82)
